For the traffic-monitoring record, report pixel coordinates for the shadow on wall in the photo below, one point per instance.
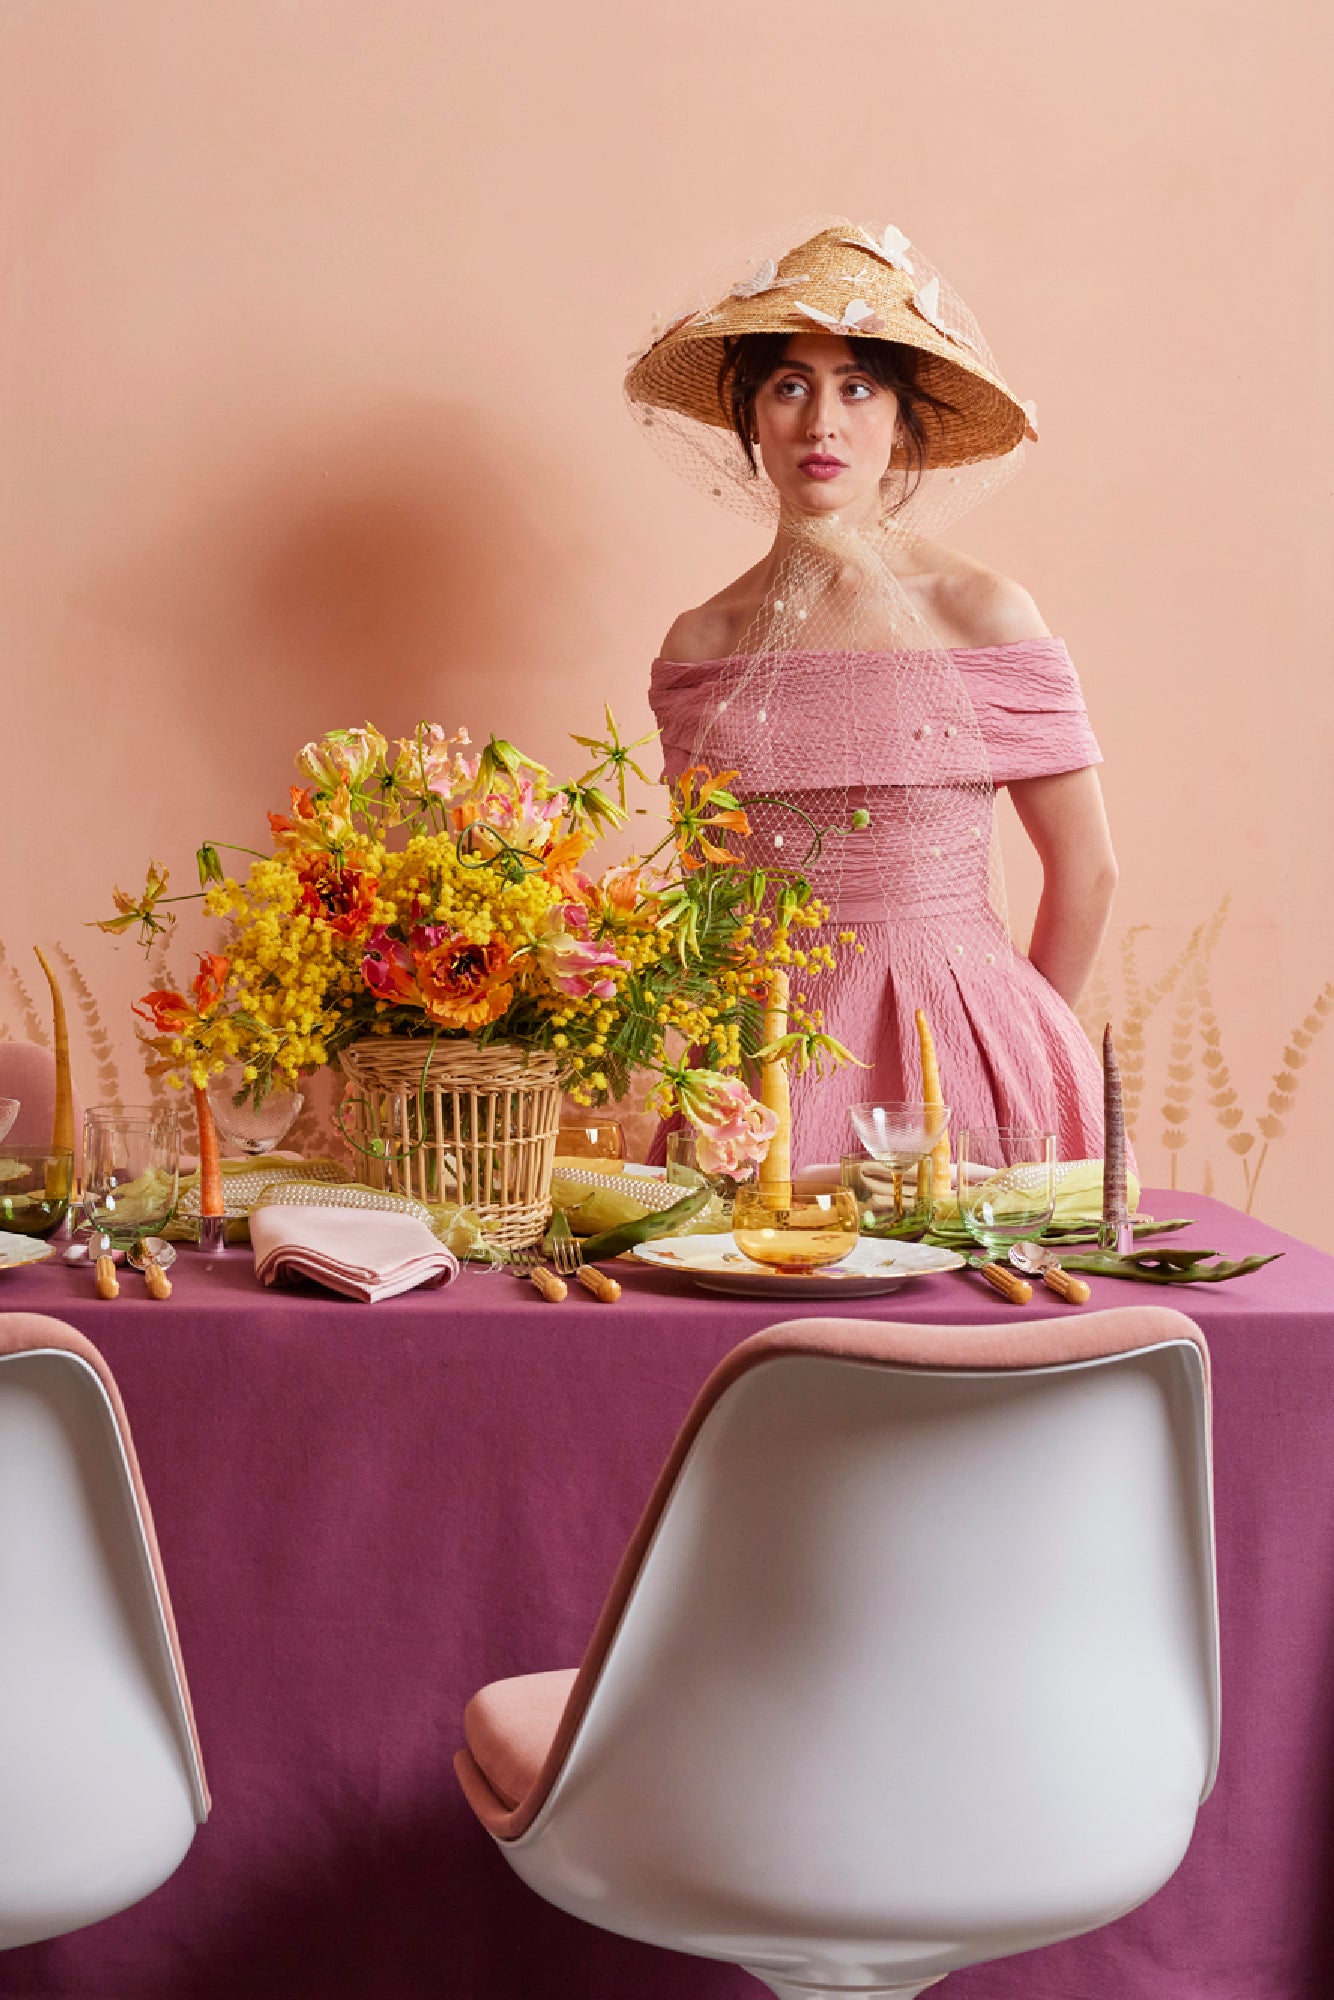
(391, 567)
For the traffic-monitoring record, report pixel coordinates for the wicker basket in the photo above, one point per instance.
(481, 1131)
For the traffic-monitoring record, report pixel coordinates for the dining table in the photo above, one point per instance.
(367, 1512)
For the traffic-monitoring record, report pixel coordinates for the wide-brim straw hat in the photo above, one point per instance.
(847, 282)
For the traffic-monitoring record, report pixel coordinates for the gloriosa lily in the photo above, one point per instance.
(349, 757)
(141, 910)
(613, 755)
(732, 1127)
(693, 817)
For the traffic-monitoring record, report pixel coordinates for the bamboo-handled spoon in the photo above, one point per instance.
(152, 1255)
(1038, 1262)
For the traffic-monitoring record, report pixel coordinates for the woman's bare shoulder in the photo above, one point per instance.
(712, 630)
(972, 605)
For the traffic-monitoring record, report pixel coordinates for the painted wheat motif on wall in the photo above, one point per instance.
(1194, 1044)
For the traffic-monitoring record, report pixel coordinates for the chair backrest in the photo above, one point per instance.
(943, 1633)
(28, 1072)
(101, 1783)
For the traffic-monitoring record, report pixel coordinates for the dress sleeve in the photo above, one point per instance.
(678, 694)
(1030, 708)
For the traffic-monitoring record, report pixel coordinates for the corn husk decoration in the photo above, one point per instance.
(941, 1203)
(1116, 1232)
(775, 1086)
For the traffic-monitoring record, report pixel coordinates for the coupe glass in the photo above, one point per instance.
(591, 1139)
(792, 1233)
(1007, 1184)
(131, 1173)
(900, 1136)
(242, 1127)
(9, 1111)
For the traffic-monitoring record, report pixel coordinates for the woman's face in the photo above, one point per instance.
(825, 429)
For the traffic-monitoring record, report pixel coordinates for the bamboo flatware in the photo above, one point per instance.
(568, 1253)
(526, 1264)
(1035, 1261)
(152, 1255)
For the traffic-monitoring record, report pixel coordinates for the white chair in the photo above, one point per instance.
(101, 1782)
(911, 1663)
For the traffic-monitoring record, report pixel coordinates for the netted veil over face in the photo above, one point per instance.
(849, 722)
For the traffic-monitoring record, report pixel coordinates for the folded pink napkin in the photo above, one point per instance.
(365, 1253)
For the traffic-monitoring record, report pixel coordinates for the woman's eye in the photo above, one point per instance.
(858, 392)
(790, 389)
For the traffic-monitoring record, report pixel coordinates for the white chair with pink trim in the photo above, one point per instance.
(101, 1779)
(911, 1663)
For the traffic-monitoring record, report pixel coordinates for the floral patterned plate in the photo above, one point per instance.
(716, 1265)
(18, 1250)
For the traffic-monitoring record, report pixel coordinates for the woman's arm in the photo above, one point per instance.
(1064, 818)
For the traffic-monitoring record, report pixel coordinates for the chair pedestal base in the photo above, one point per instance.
(788, 1990)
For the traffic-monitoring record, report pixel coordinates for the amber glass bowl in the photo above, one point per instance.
(794, 1233)
(35, 1187)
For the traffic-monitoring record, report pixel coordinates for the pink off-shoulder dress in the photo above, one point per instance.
(1009, 1048)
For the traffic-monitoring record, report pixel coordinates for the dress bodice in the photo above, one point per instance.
(894, 735)
(1025, 696)
(833, 732)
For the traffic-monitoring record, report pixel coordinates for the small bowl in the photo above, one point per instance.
(794, 1233)
(36, 1183)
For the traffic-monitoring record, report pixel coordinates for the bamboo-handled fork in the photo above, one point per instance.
(527, 1264)
(567, 1254)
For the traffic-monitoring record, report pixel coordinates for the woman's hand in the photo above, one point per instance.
(1064, 818)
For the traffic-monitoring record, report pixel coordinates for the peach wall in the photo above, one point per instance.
(315, 316)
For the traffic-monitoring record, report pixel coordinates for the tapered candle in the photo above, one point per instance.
(210, 1166)
(932, 1098)
(62, 1117)
(775, 1086)
(1116, 1233)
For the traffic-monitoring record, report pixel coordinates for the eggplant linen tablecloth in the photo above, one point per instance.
(368, 1511)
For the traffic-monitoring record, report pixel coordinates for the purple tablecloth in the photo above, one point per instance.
(367, 1512)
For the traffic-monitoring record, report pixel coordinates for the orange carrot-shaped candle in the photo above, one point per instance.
(1116, 1233)
(775, 1085)
(932, 1098)
(62, 1120)
(211, 1223)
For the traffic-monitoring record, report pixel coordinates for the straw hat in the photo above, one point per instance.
(849, 282)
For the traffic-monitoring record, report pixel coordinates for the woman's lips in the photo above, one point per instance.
(822, 468)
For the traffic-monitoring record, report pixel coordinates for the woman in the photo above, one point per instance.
(864, 672)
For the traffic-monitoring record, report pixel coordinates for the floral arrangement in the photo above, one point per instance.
(433, 890)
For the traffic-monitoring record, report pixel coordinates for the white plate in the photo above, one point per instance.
(16, 1250)
(716, 1265)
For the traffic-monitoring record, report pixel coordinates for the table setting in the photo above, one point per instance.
(366, 1515)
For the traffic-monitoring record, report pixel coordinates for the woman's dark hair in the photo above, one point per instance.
(749, 359)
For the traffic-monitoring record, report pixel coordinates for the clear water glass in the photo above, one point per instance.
(131, 1173)
(1006, 1184)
